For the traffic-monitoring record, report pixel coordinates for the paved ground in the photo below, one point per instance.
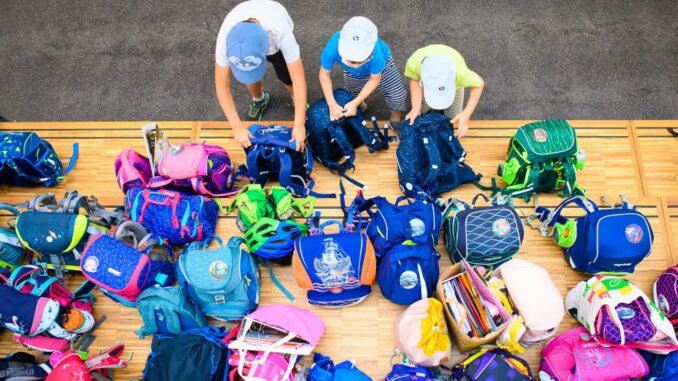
(132, 60)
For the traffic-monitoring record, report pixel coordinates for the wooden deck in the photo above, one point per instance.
(638, 158)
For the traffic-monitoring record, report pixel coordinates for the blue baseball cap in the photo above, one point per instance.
(246, 48)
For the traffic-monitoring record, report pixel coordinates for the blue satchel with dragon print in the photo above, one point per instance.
(487, 235)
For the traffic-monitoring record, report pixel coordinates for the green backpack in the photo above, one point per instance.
(542, 157)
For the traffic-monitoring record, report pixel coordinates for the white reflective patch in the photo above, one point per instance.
(434, 166)
(114, 271)
(425, 140)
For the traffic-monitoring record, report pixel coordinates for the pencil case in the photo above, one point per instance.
(464, 342)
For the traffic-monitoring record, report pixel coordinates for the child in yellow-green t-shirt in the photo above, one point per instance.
(438, 76)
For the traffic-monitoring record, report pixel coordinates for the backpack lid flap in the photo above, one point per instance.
(533, 293)
(548, 139)
(217, 269)
(184, 162)
(51, 233)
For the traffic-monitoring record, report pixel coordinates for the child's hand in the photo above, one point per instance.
(412, 115)
(351, 108)
(299, 136)
(336, 111)
(242, 135)
(461, 122)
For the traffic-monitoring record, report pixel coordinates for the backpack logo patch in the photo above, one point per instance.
(633, 233)
(664, 304)
(218, 270)
(334, 269)
(408, 280)
(417, 227)
(540, 135)
(501, 227)
(91, 264)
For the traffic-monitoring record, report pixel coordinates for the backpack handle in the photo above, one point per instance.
(321, 228)
(401, 199)
(549, 219)
(9, 208)
(475, 199)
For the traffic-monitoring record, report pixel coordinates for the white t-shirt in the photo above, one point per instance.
(275, 20)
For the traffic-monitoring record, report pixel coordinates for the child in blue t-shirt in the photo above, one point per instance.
(367, 64)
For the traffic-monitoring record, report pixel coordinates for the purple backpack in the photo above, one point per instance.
(666, 294)
(124, 266)
(177, 217)
(205, 169)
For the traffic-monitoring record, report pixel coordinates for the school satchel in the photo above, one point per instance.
(167, 310)
(490, 365)
(177, 217)
(421, 333)
(430, 158)
(535, 302)
(616, 312)
(337, 270)
(464, 342)
(273, 157)
(575, 355)
(224, 282)
(665, 292)
(12, 251)
(542, 157)
(122, 267)
(333, 143)
(603, 241)
(25, 159)
(482, 235)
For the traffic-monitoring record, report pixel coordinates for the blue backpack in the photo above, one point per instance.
(486, 235)
(25, 159)
(430, 158)
(417, 222)
(404, 239)
(603, 241)
(272, 156)
(199, 354)
(224, 282)
(323, 369)
(175, 216)
(333, 143)
(167, 310)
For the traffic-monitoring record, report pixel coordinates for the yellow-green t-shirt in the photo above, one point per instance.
(465, 76)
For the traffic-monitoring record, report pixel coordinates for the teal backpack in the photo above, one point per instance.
(224, 282)
(167, 310)
(542, 157)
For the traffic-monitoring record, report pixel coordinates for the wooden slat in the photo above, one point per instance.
(658, 152)
(363, 332)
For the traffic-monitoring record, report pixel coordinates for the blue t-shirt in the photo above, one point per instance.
(375, 65)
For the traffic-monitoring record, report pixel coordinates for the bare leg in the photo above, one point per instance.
(395, 115)
(289, 90)
(256, 90)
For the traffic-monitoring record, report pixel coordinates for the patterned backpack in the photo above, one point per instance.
(25, 159)
(430, 158)
(665, 292)
(333, 143)
(167, 310)
(337, 270)
(177, 217)
(616, 312)
(12, 251)
(490, 365)
(122, 267)
(485, 235)
(542, 157)
(224, 282)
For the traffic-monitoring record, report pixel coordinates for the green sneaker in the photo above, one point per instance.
(258, 108)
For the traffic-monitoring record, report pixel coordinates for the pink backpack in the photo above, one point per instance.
(204, 168)
(574, 355)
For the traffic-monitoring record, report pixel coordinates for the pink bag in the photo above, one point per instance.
(206, 168)
(132, 170)
(273, 369)
(574, 355)
(421, 333)
(275, 331)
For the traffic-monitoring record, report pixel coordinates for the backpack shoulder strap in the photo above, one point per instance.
(550, 218)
